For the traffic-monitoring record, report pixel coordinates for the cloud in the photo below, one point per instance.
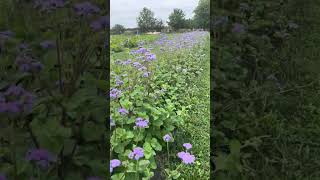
(125, 12)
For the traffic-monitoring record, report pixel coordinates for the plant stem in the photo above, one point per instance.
(168, 155)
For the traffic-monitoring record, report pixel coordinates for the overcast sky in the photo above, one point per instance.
(125, 12)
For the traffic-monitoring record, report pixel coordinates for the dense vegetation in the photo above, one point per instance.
(265, 117)
(52, 89)
(157, 109)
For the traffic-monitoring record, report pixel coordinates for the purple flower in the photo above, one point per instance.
(86, 8)
(136, 64)
(141, 50)
(14, 90)
(115, 93)
(41, 157)
(6, 34)
(187, 146)
(114, 163)
(141, 123)
(146, 74)
(28, 64)
(127, 62)
(123, 111)
(167, 138)
(142, 68)
(47, 44)
(238, 28)
(48, 5)
(137, 153)
(99, 24)
(13, 107)
(151, 57)
(94, 178)
(3, 177)
(186, 157)
(118, 81)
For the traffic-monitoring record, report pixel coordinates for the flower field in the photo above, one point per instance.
(160, 106)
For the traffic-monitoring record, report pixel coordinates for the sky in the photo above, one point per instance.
(125, 12)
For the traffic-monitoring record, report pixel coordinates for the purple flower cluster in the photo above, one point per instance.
(186, 157)
(86, 9)
(27, 63)
(119, 82)
(6, 34)
(115, 93)
(180, 41)
(16, 100)
(99, 24)
(142, 123)
(137, 153)
(48, 5)
(114, 163)
(41, 157)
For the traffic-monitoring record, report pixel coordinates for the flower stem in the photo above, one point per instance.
(168, 155)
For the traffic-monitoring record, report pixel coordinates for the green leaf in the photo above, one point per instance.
(92, 131)
(50, 134)
(119, 176)
(143, 164)
(155, 144)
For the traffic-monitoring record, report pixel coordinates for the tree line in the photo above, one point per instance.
(177, 20)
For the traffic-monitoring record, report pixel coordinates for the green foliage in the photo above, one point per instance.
(177, 19)
(262, 86)
(202, 14)
(146, 20)
(67, 119)
(118, 29)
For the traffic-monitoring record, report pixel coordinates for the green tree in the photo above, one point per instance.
(177, 19)
(146, 20)
(159, 25)
(189, 24)
(202, 14)
(118, 29)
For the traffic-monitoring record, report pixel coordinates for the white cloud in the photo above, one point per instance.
(125, 12)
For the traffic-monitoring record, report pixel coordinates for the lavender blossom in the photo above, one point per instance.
(137, 153)
(186, 157)
(86, 8)
(187, 146)
(167, 137)
(141, 123)
(115, 93)
(114, 163)
(99, 24)
(41, 157)
(123, 111)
